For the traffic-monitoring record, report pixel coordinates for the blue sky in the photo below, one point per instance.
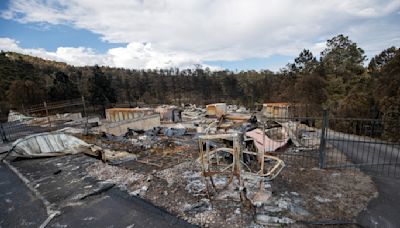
(222, 34)
(50, 37)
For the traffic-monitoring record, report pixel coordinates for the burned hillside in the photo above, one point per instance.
(338, 81)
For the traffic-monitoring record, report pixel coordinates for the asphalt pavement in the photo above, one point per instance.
(19, 207)
(81, 200)
(380, 161)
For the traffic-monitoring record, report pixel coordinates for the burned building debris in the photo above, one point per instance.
(169, 114)
(216, 110)
(276, 110)
(140, 123)
(214, 166)
(48, 144)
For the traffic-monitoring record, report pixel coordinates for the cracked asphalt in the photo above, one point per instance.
(63, 182)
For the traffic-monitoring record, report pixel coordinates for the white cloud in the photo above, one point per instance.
(134, 55)
(80, 56)
(138, 55)
(9, 44)
(193, 31)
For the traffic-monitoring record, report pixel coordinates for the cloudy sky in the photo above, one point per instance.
(233, 34)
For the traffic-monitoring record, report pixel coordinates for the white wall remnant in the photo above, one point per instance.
(121, 127)
(121, 114)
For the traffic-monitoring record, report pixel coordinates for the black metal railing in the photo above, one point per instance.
(362, 144)
(340, 143)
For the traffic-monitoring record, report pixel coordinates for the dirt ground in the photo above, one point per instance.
(168, 175)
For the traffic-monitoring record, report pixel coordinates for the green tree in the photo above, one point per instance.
(388, 85)
(342, 63)
(379, 61)
(304, 63)
(101, 92)
(343, 57)
(63, 88)
(388, 93)
(25, 92)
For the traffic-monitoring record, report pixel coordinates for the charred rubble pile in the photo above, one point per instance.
(212, 166)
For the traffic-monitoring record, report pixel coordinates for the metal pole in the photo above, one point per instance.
(322, 145)
(263, 151)
(86, 132)
(84, 105)
(47, 113)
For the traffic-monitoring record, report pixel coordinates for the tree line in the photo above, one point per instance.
(339, 80)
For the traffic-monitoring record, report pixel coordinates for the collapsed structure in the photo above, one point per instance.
(227, 152)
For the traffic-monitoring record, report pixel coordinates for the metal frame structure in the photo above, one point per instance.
(231, 170)
(211, 164)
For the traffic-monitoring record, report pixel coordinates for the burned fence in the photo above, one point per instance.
(47, 108)
(41, 118)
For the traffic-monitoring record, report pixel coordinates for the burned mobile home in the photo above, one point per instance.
(213, 166)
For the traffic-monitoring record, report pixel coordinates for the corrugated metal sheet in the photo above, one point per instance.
(120, 114)
(48, 144)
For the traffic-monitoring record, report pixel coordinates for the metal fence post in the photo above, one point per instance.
(261, 156)
(86, 131)
(47, 113)
(322, 145)
(84, 106)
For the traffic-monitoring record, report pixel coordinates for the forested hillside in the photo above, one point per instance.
(340, 80)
